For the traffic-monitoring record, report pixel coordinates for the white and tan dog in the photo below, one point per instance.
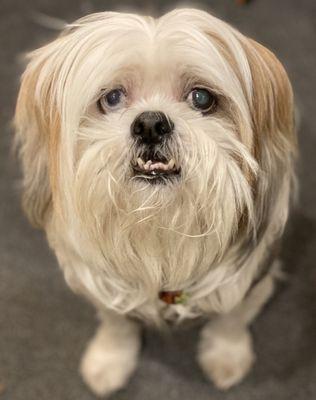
(158, 157)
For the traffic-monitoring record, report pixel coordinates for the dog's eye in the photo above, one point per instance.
(112, 100)
(203, 99)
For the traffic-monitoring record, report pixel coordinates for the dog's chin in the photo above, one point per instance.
(155, 169)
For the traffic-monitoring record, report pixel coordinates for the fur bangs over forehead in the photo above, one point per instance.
(120, 239)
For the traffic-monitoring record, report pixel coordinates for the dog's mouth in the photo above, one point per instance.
(155, 168)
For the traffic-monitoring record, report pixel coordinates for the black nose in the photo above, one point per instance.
(152, 127)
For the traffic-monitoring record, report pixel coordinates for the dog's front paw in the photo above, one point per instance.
(107, 364)
(225, 356)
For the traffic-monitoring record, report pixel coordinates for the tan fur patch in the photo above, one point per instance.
(38, 138)
(272, 103)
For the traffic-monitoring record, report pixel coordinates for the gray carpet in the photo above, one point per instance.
(44, 327)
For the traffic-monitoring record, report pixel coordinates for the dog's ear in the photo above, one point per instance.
(272, 103)
(37, 130)
(274, 136)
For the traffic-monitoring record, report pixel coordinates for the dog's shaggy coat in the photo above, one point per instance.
(121, 239)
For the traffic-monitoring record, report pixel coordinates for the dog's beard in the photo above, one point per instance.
(153, 232)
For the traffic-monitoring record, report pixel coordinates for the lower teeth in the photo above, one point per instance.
(152, 166)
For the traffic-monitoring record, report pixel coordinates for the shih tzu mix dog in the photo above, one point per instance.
(158, 157)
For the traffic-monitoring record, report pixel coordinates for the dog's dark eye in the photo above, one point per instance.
(112, 100)
(203, 99)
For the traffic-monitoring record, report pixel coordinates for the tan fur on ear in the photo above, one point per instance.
(272, 103)
(37, 127)
(274, 135)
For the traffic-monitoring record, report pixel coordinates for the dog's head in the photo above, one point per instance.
(179, 124)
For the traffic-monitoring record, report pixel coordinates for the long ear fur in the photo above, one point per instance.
(37, 127)
(275, 143)
(273, 112)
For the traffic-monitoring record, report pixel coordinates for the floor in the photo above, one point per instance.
(44, 327)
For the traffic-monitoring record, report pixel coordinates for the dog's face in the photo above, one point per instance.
(164, 122)
(158, 131)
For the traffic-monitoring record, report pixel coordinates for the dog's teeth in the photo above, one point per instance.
(171, 164)
(140, 162)
(158, 165)
(147, 165)
(152, 166)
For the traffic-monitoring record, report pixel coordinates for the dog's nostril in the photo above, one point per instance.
(164, 127)
(152, 126)
(138, 128)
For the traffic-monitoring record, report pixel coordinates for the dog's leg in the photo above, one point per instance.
(111, 355)
(225, 351)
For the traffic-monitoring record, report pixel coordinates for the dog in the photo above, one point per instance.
(158, 155)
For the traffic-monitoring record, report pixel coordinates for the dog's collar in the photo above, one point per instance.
(173, 297)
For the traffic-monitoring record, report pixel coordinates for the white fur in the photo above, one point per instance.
(111, 356)
(120, 241)
(225, 354)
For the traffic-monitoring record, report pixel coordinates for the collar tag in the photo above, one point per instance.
(173, 297)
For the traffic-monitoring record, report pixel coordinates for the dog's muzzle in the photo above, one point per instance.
(151, 129)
